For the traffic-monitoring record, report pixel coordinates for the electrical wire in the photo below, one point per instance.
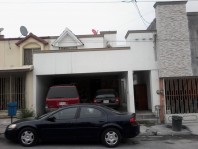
(146, 23)
(81, 2)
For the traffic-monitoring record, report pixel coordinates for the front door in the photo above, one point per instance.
(141, 101)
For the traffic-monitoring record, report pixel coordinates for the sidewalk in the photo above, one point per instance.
(166, 129)
(155, 130)
(4, 122)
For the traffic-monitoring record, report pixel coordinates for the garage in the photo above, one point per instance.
(87, 85)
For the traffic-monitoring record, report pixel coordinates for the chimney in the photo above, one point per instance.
(1, 36)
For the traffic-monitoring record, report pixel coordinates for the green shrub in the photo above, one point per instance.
(25, 113)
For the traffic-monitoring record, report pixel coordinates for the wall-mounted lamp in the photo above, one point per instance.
(160, 92)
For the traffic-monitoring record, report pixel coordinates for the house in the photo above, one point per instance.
(155, 71)
(95, 61)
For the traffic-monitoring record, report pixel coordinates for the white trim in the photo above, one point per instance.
(65, 33)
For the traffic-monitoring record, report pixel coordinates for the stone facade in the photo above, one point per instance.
(193, 29)
(173, 45)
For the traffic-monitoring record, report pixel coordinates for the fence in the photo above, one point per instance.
(181, 95)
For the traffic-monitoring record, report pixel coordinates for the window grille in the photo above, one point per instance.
(181, 95)
(12, 89)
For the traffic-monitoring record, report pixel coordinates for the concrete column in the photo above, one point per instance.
(130, 93)
(154, 86)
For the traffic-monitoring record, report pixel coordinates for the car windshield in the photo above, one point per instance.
(62, 92)
(44, 115)
(106, 95)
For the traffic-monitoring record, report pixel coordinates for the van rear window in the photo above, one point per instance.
(62, 92)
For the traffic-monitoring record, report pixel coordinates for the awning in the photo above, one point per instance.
(25, 68)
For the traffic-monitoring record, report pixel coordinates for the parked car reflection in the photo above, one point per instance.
(107, 97)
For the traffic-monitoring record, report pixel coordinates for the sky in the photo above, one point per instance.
(51, 17)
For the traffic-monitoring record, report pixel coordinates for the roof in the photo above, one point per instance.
(24, 68)
(169, 3)
(108, 32)
(139, 31)
(31, 36)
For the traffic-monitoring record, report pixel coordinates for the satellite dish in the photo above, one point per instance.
(1, 29)
(23, 30)
(94, 31)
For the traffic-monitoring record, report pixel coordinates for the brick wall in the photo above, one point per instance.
(173, 45)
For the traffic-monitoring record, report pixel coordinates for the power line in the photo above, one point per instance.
(146, 23)
(81, 2)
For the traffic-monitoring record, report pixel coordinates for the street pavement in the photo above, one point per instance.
(155, 130)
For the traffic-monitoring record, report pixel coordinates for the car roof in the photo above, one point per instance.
(106, 91)
(107, 109)
(83, 104)
(62, 86)
(88, 105)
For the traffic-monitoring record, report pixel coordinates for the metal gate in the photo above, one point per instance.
(12, 89)
(181, 95)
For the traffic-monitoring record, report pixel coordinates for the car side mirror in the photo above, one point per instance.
(51, 119)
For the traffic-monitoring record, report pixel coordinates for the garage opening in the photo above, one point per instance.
(87, 85)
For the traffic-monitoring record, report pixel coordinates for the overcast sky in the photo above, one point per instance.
(51, 17)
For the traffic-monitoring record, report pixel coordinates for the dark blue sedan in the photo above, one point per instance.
(76, 122)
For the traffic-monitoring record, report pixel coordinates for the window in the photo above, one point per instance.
(28, 56)
(68, 113)
(87, 112)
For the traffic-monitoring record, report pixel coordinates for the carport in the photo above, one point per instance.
(87, 85)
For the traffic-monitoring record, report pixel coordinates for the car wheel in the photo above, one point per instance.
(111, 137)
(28, 137)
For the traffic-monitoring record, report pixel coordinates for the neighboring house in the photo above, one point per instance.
(16, 69)
(176, 44)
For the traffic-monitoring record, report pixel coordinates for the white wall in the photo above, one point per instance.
(97, 42)
(93, 61)
(154, 86)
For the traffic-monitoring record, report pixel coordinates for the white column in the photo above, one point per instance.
(130, 93)
(154, 86)
(34, 97)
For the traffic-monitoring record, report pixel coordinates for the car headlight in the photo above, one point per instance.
(12, 126)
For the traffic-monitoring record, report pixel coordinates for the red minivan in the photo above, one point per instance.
(60, 96)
